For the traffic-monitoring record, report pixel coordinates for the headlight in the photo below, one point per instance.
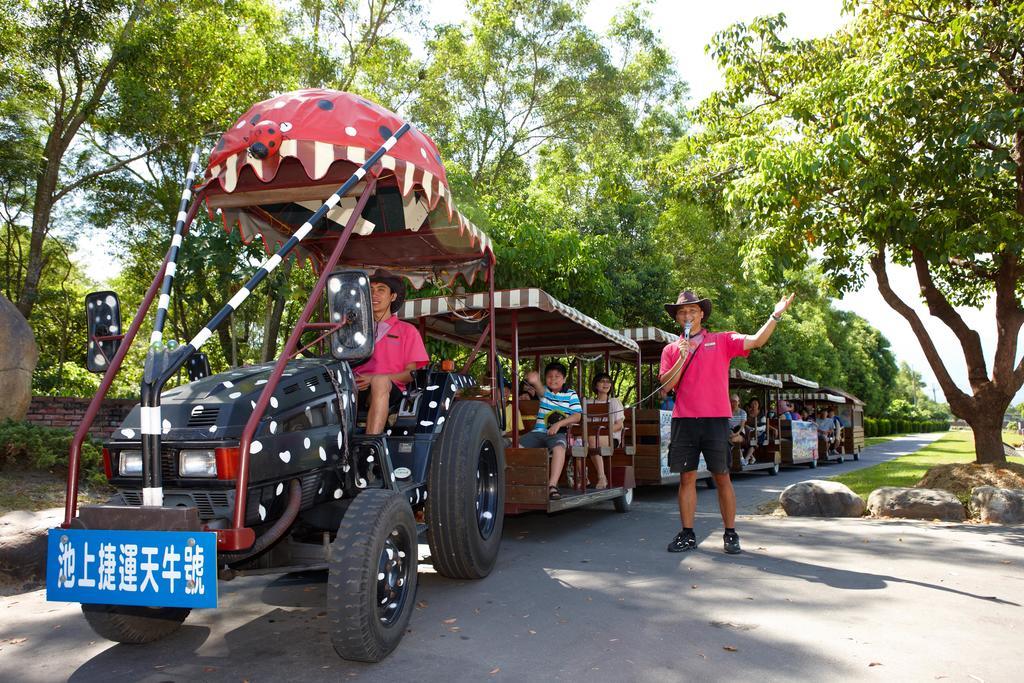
(197, 463)
(130, 464)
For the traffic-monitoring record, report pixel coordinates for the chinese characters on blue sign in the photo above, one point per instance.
(147, 568)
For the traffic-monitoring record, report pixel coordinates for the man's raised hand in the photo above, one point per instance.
(783, 304)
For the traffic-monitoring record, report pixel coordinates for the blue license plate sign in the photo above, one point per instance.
(146, 568)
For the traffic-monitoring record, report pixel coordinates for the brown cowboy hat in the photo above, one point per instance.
(688, 297)
(396, 283)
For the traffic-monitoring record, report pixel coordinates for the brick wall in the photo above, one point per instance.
(63, 412)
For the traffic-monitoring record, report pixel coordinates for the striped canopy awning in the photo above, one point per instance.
(843, 396)
(794, 382)
(818, 396)
(743, 379)
(313, 140)
(546, 326)
(651, 341)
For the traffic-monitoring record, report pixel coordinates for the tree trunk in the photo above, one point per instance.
(46, 186)
(987, 424)
(991, 396)
(272, 324)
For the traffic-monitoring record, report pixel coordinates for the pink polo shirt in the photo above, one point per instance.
(399, 346)
(704, 389)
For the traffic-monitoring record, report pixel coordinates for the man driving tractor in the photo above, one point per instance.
(397, 352)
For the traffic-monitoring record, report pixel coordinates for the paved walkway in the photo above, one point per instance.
(593, 595)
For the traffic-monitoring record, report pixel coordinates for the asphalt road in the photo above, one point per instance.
(592, 594)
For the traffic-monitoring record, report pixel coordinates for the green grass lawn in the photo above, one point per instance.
(1012, 438)
(908, 470)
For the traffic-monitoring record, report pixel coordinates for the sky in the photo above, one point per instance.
(687, 27)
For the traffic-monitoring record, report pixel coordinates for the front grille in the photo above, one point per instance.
(291, 388)
(202, 416)
(206, 502)
(168, 463)
(132, 497)
(312, 382)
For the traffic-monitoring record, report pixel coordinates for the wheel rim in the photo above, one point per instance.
(628, 497)
(487, 490)
(393, 576)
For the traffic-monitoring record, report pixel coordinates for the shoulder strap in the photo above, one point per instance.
(689, 361)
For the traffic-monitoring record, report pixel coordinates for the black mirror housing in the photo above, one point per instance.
(198, 366)
(348, 299)
(103, 321)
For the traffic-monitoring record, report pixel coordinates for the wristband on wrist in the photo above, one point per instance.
(776, 318)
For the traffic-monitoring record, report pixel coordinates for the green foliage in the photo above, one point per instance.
(27, 445)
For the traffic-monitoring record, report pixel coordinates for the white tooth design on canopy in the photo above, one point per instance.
(323, 157)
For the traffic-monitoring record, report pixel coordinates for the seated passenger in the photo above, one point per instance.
(668, 400)
(737, 425)
(559, 408)
(519, 426)
(837, 430)
(757, 425)
(398, 350)
(825, 431)
(612, 424)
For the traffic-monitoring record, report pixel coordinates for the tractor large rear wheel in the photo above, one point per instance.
(466, 503)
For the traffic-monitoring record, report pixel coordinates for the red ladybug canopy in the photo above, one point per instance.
(271, 170)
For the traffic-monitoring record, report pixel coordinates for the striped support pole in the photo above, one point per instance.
(172, 258)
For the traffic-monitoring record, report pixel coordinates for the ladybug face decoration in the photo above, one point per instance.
(264, 140)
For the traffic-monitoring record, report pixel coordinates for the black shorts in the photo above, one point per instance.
(692, 436)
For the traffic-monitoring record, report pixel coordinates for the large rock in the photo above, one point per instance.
(907, 503)
(18, 357)
(23, 543)
(1002, 506)
(820, 498)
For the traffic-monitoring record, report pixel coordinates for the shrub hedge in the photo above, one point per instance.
(884, 426)
(35, 446)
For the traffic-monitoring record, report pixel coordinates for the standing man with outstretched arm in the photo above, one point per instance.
(697, 367)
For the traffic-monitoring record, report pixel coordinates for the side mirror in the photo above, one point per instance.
(348, 299)
(103, 320)
(198, 366)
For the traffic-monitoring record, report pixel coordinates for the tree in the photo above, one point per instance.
(898, 139)
(95, 84)
(522, 74)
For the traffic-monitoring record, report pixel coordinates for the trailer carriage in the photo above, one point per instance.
(851, 412)
(799, 438)
(227, 468)
(532, 323)
(767, 451)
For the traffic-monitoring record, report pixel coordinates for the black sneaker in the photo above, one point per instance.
(732, 543)
(684, 540)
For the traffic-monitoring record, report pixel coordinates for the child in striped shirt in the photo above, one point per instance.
(559, 408)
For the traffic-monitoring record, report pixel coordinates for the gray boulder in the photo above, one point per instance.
(911, 503)
(18, 357)
(1001, 506)
(23, 543)
(820, 498)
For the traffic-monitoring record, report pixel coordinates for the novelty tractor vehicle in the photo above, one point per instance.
(270, 465)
